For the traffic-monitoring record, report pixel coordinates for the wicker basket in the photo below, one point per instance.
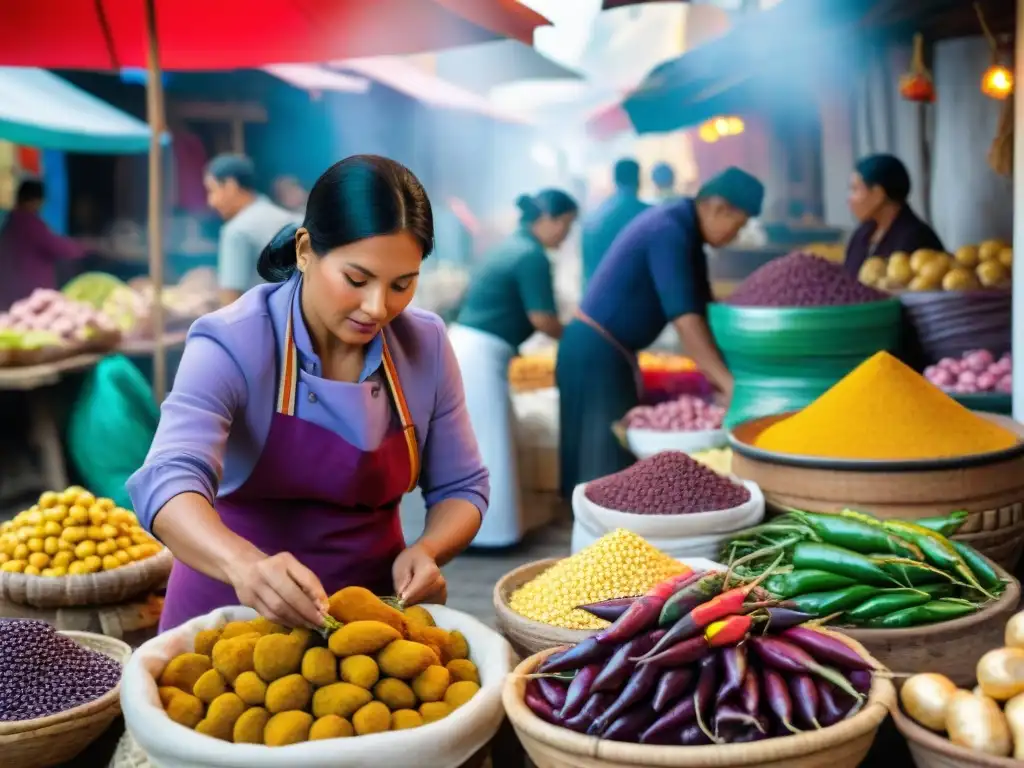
(951, 648)
(103, 588)
(931, 750)
(58, 738)
(844, 745)
(992, 492)
(526, 636)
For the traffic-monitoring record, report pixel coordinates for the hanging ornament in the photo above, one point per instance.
(997, 80)
(916, 84)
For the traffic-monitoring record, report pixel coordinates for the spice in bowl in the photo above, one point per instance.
(619, 564)
(668, 483)
(684, 414)
(43, 672)
(802, 280)
(885, 411)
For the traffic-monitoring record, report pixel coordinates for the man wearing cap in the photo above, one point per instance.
(655, 272)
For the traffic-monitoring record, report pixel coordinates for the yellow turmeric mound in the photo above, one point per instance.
(405, 659)
(395, 694)
(372, 718)
(360, 670)
(341, 699)
(431, 683)
(289, 692)
(885, 411)
(320, 666)
(331, 727)
(404, 719)
(183, 671)
(463, 670)
(251, 689)
(359, 604)
(249, 727)
(361, 637)
(287, 728)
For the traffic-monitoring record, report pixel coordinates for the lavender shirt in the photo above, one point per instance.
(216, 418)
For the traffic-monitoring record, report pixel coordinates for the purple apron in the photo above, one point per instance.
(317, 496)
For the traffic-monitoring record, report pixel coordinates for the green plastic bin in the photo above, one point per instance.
(782, 359)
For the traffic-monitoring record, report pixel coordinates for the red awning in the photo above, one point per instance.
(233, 34)
(608, 121)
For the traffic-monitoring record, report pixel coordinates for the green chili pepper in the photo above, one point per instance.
(802, 582)
(857, 535)
(910, 572)
(937, 590)
(946, 526)
(979, 566)
(885, 602)
(826, 557)
(945, 609)
(937, 551)
(834, 601)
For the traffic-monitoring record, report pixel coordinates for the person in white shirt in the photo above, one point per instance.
(250, 222)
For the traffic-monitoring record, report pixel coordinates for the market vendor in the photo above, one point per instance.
(655, 273)
(29, 249)
(509, 298)
(602, 226)
(879, 192)
(303, 412)
(250, 221)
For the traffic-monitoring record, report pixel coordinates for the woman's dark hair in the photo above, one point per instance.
(29, 191)
(357, 198)
(547, 202)
(237, 167)
(887, 172)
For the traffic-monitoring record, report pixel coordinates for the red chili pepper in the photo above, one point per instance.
(728, 631)
(644, 611)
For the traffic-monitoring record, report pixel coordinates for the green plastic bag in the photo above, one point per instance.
(112, 425)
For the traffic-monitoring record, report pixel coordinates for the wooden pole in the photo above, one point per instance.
(157, 126)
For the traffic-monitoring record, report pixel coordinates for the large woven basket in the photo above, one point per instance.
(103, 588)
(844, 745)
(991, 491)
(932, 750)
(951, 648)
(59, 738)
(526, 636)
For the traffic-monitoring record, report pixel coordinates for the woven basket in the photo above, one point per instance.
(526, 636)
(993, 493)
(103, 588)
(59, 738)
(951, 648)
(844, 745)
(932, 750)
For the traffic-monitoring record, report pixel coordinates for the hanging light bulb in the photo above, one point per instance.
(708, 133)
(736, 126)
(997, 82)
(721, 126)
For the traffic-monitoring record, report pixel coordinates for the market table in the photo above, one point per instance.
(38, 381)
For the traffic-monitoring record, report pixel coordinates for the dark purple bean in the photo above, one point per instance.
(670, 722)
(581, 654)
(693, 736)
(750, 693)
(801, 280)
(621, 665)
(781, 619)
(734, 669)
(609, 610)
(596, 704)
(827, 649)
(630, 725)
(805, 700)
(668, 483)
(829, 711)
(538, 704)
(730, 719)
(553, 691)
(703, 694)
(640, 684)
(673, 684)
(579, 690)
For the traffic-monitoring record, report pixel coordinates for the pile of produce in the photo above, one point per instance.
(667, 483)
(48, 315)
(976, 371)
(718, 459)
(72, 533)
(801, 280)
(989, 719)
(658, 362)
(379, 669)
(884, 410)
(988, 265)
(618, 564)
(698, 660)
(684, 414)
(864, 572)
(530, 372)
(44, 673)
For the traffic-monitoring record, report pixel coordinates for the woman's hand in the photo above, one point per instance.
(417, 577)
(282, 589)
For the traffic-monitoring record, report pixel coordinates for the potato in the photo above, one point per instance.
(183, 671)
(926, 698)
(431, 683)
(1001, 673)
(976, 722)
(289, 692)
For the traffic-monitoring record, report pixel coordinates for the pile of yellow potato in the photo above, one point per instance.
(988, 265)
(256, 682)
(988, 719)
(72, 533)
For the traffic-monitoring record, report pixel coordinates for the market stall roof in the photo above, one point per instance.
(406, 77)
(722, 76)
(39, 109)
(230, 34)
(608, 5)
(310, 77)
(484, 66)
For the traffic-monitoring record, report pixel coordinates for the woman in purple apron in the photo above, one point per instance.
(304, 411)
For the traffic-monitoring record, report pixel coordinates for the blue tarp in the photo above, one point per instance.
(39, 109)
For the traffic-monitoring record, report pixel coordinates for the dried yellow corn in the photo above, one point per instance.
(619, 564)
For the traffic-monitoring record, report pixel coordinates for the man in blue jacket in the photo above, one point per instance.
(602, 226)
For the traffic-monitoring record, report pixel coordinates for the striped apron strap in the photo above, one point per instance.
(289, 381)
